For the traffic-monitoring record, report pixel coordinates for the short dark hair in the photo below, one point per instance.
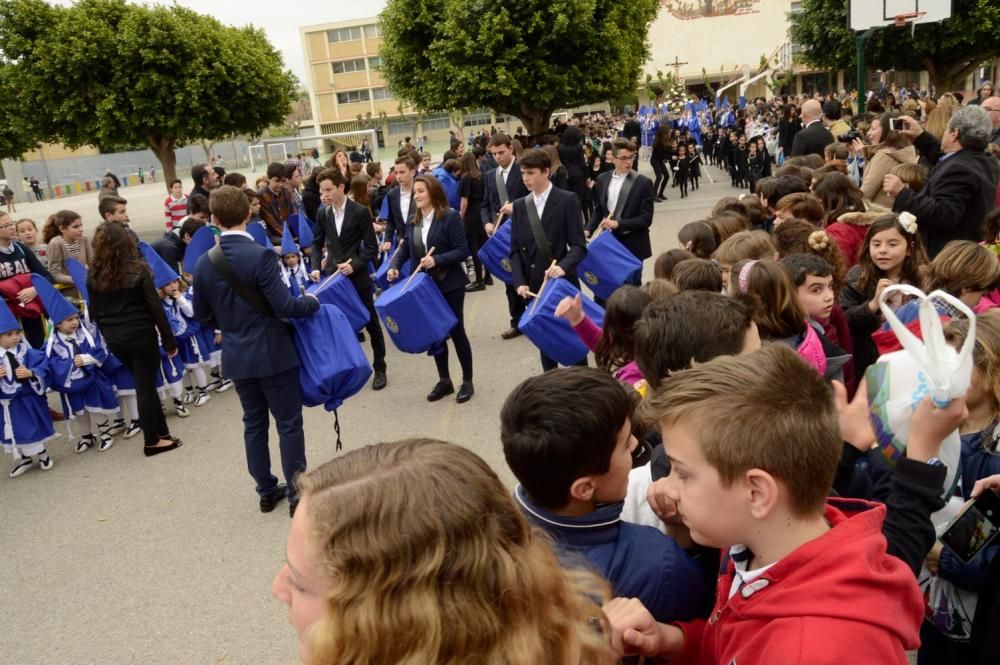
(832, 109)
(801, 265)
(229, 206)
(621, 144)
(697, 275)
(448, 154)
(290, 169)
(198, 173)
(198, 203)
(536, 158)
(251, 194)
(406, 161)
(333, 175)
(500, 139)
(693, 326)
(107, 205)
(235, 179)
(175, 181)
(190, 226)
(549, 442)
(275, 170)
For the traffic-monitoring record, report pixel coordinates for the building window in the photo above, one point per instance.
(375, 62)
(404, 127)
(352, 96)
(381, 93)
(436, 122)
(348, 66)
(343, 35)
(373, 31)
(476, 119)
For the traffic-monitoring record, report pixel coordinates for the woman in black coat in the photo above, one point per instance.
(571, 156)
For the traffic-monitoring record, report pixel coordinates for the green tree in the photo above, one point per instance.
(949, 51)
(108, 73)
(526, 58)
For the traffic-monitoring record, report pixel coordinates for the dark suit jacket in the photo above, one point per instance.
(636, 217)
(960, 191)
(633, 130)
(561, 223)
(396, 226)
(812, 140)
(491, 202)
(447, 237)
(356, 243)
(253, 345)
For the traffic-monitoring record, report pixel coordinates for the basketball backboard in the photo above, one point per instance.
(866, 14)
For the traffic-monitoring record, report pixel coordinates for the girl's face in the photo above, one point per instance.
(421, 197)
(300, 584)
(341, 160)
(70, 325)
(10, 339)
(27, 233)
(74, 231)
(888, 250)
(254, 207)
(681, 151)
(875, 132)
(292, 261)
(608, 156)
(172, 289)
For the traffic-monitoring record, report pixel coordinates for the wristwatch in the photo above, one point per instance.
(934, 461)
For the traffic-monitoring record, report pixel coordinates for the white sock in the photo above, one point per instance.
(130, 407)
(198, 373)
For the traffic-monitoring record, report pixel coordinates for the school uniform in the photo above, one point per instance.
(296, 279)
(25, 423)
(82, 389)
(681, 175)
(398, 207)
(446, 234)
(635, 215)
(741, 157)
(494, 199)
(558, 214)
(694, 167)
(347, 235)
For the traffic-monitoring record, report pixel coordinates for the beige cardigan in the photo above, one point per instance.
(58, 254)
(878, 167)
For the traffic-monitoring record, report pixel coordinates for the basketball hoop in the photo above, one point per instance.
(902, 19)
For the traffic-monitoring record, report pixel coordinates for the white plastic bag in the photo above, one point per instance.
(899, 380)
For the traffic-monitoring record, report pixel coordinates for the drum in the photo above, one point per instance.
(607, 266)
(553, 335)
(417, 316)
(381, 275)
(332, 365)
(339, 291)
(495, 254)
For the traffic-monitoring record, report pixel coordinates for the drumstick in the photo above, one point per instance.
(419, 268)
(541, 289)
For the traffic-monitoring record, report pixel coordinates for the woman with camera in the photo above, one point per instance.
(886, 148)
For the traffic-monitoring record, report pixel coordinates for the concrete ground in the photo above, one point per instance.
(112, 558)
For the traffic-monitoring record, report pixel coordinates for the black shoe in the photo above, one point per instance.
(465, 393)
(379, 382)
(361, 337)
(472, 287)
(292, 505)
(440, 390)
(150, 451)
(510, 334)
(658, 199)
(488, 281)
(269, 501)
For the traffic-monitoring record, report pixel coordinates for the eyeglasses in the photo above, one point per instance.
(625, 158)
(7, 226)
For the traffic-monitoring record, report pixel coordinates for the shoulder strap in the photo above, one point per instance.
(541, 242)
(252, 298)
(501, 187)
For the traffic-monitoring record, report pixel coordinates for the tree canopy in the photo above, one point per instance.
(111, 74)
(526, 58)
(949, 50)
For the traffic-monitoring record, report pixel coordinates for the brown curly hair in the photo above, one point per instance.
(116, 258)
(797, 236)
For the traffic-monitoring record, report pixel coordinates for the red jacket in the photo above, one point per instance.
(849, 230)
(837, 599)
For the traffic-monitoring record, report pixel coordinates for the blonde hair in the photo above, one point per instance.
(780, 417)
(985, 353)
(745, 245)
(938, 119)
(914, 175)
(962, 266)
(432, 562)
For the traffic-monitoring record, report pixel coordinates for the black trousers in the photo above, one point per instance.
(463, 349)
(374, 330)
(141, 354)
(515, 305)
(475, 236)
(662, 176)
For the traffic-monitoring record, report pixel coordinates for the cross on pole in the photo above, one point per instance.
(676, 64)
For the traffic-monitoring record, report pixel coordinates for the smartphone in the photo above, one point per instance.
(974, 528)
(895, 124)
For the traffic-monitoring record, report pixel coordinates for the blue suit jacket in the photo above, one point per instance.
(253, 345)
(447, 237)
(516, 189)
(561, 222)
(395, 229)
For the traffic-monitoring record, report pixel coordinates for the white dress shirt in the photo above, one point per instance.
(540, 200)
(338, 216)
(425, 229)
(614, 189)
(237, 233)
(404, 203)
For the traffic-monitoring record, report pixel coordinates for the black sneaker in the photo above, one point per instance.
(269, 501)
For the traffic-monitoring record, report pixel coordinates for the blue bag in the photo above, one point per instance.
(495, 254)
(607, 265)
(554, 336)
(332, 366)
(417, 317)
(381, 275)
(337, 290)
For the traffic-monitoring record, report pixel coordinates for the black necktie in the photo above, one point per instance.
(12, 359)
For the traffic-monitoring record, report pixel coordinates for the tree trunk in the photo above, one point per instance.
(163, 148)
(207, 147)
(536, 122)
(948, 77)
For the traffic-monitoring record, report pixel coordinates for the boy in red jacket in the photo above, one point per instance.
(803, 582)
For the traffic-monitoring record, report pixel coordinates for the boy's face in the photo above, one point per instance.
(536, 180)
(9, 339)
(612, 485)
(404, 175)
(717, 516)
(816, 296)
(119, 215)
(70, 325)
(176, 190)
(292, 260)
(425, 162)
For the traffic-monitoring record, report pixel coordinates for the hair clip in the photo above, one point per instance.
(908, 221)
(745, 275)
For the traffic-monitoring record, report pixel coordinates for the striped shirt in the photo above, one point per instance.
(175, 210)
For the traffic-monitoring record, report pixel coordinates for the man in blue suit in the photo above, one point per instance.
(398, 206)
(257, 349)
(558, 217)
(498, 200)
